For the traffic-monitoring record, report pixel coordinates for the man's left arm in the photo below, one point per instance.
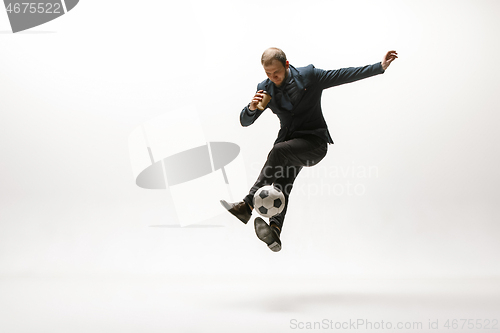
(337, 77)
(388, 59)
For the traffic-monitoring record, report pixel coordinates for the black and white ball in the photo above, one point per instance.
(268, 201)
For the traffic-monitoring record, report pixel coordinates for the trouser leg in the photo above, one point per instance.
(285, 184)
(299, 152)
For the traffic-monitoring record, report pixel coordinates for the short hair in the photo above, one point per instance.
(273, 53)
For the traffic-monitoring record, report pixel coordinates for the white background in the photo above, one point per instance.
(77, 235)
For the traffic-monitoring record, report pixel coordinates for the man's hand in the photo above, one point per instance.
(388, 58)
(256, 99)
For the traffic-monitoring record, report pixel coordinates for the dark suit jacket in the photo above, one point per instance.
(306, 116)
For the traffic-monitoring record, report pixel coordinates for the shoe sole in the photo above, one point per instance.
(264, 233)
(228, 207)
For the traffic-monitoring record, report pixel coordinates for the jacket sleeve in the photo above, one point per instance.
(331, 78)
(247, 116)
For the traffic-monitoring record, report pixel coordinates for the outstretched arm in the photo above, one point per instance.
(331, 78)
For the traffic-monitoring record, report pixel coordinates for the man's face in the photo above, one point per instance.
(276, 72)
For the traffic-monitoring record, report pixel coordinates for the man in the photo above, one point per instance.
(303, 136)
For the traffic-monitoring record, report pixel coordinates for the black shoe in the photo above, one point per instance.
(267, 234)
(238, 209)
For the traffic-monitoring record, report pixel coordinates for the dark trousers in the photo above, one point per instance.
(284, 162)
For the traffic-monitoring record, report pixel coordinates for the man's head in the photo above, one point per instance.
(275, 65)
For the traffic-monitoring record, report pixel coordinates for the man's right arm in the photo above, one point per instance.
(250, 113)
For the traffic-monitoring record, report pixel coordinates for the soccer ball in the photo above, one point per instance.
(268, 201)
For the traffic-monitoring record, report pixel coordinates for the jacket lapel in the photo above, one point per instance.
(298, 78)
